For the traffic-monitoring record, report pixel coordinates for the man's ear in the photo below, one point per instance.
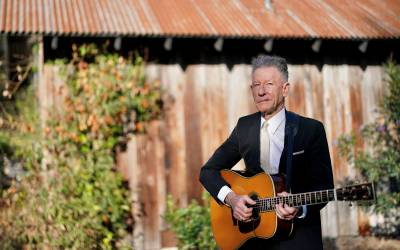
(286, 87)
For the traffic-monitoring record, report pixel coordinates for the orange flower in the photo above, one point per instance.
(47, 130)
(95, 128)
(80, 108)
(144, 91)
(59, 129)
(108, 120)
(87, 89)
(139, 126)
(74, 137)
(68, 117)
(91, 119)
(145, 103)
(82, 65)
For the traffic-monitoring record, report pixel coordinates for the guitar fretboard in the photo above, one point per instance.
(296, 200)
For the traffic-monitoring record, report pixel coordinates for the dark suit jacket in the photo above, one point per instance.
(311, 170)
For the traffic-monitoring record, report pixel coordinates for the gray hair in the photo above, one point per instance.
(271, 61)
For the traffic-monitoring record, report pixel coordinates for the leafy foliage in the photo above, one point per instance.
(191, 224)
(380, 162)
(19, 137)
(73, 197)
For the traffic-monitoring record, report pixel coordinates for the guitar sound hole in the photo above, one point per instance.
(246, 227)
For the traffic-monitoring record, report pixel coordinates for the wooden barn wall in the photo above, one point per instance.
(202, 105)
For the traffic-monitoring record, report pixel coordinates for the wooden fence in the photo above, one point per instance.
(202, 105)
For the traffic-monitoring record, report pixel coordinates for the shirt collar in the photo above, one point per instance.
(275, 121)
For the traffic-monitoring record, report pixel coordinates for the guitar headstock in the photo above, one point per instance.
(357, 192)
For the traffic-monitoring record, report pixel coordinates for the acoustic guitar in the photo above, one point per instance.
(230, 233)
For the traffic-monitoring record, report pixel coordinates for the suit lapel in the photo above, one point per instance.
(289, 124)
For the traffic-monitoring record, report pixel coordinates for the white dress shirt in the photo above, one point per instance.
(276, 131)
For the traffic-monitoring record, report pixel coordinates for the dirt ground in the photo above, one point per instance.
(361, 243)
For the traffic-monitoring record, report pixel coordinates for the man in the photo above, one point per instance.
(261, 140)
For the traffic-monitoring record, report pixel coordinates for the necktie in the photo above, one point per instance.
(264, 149)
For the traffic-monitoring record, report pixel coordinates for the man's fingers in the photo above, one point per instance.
(249, 200)
(243, 204)
(285, 210)
(240, 207)
(279, 215)
(245, 211)
(281, 210)
(283, 193)
(241, 216)
(290, 210)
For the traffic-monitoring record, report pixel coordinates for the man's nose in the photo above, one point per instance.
(262, 90)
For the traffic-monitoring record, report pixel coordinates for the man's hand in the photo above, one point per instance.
(285, 212)
(238, 204)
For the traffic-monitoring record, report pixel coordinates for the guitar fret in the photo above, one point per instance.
(296, 200)
(331, 195)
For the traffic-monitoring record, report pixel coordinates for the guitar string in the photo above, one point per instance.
(299, 199)
(296, 199)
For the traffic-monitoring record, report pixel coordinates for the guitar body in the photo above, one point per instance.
(230, 233)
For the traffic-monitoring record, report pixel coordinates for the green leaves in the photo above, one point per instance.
(191, 224)
(76, 200)
(380, 160)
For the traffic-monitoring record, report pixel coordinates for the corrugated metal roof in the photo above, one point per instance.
(341, 19)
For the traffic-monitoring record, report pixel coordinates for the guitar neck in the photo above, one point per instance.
(297, 200)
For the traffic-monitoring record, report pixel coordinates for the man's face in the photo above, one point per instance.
(269, 89)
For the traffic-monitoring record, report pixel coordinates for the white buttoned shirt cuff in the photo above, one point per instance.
(223, 192)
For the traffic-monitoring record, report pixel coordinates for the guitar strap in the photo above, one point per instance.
(291, 128)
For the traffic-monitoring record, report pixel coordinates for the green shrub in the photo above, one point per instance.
(191, 224)
(379, 162)
(72, 196)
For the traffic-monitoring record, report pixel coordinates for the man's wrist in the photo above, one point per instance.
(302, 212)
(223, 192)
(299, 211)
(228, 198)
